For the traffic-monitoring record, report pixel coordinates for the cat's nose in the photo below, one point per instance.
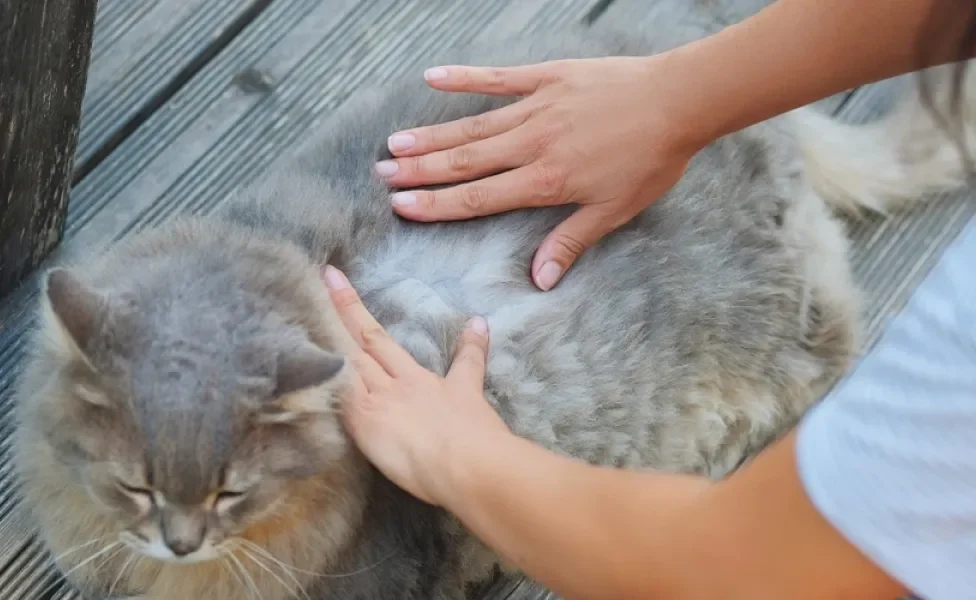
(183, 547)
(182, 532)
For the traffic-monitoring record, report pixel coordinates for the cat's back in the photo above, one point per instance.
(328, 200)
(698, 295)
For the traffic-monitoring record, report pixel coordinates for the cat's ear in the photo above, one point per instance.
(304, 367)
(305, 383)
(74, 307)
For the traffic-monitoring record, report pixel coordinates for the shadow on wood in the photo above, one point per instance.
(44, 54)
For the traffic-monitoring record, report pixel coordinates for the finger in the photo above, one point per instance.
(568, 241)
(357, 380)
(460, 163)
(472, 354)
(537, 184)
(365, 330)
(423, 140)
(496, 81)
(372, 376)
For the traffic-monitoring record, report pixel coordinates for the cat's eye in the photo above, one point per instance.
(143, 496)
(134, 490)
(227, 498)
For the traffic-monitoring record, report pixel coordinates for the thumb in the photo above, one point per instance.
(471, 354)
(564, 245)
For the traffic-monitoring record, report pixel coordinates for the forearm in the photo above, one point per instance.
(796, 52)
(586, 532)
(582, 531)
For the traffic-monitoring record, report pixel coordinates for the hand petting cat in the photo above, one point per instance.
(565, 142)
(410, 423)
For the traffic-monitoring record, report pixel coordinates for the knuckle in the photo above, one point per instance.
(549, 180)
(616, 213)
(562, 124)
(547, 138)
(372, 335)
(461, 77)
(459, 160)
(358, 361)
(473, 197)
(496, 77)
(367, 404)
(343, 299)
(416, 166)
(427, 201)
(569, 245)
(558, 69)
(618, 220)
(472, 343)
(431, 138)
(469, 356)
(543, 107)
(477, 352)
(475, 127)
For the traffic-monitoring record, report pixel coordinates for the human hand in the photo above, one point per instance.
(412, 424)
(601, 133)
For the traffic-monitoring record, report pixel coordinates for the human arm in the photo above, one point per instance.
(584, 531)
(614, 134)
(651, 535)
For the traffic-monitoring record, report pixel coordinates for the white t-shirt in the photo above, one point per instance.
(889, 457)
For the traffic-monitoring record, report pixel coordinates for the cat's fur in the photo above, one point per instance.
(685, 341)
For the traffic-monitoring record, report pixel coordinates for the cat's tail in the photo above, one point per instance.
(910, 153)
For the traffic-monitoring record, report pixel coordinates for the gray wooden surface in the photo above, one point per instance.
(143, 51)
(188, 99)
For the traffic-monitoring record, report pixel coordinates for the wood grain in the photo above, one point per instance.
(44, 56)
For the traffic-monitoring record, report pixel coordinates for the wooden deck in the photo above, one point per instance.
(188, 99)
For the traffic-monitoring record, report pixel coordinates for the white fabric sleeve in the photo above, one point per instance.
(889, 456)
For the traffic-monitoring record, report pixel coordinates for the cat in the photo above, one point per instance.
(177, 420)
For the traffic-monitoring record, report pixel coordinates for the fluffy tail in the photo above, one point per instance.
(899, 159)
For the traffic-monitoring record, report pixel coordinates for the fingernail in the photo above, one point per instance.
(400, 141)
(387, 168)
(479, 326)
(334, 279)
(435, 73)
(548, 275)
(403, 199)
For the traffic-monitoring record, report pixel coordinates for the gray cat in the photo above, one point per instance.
(178, 435)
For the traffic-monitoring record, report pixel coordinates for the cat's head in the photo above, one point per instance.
(185, 410)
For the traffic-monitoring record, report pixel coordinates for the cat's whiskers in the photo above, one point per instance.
(64, 576)
(243, 570)
(286, 569)
(260, 563)
(223, 552)
(295, 569)
(120, 549)
(361, 570)
(133, 558)
(74, 549)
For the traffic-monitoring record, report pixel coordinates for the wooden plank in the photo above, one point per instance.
(44, 56)
(143, 51)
